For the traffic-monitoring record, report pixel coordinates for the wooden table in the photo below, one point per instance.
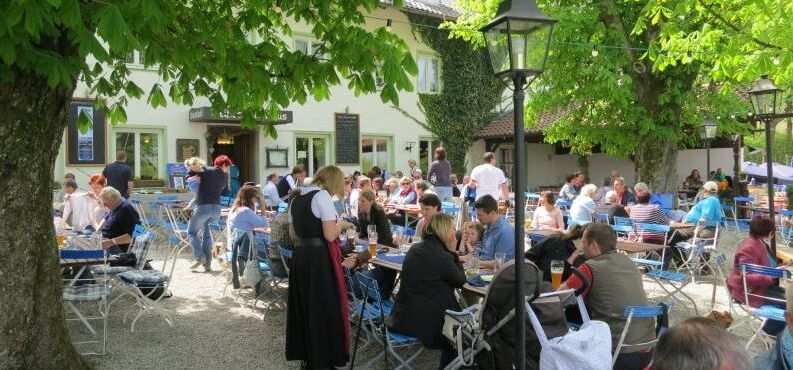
(481, 291)
(408, 209)
(637, 247)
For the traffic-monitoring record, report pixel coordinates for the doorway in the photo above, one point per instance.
(311, 153)
(239, 145)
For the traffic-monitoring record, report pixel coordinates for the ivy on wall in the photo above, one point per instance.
(469, 91)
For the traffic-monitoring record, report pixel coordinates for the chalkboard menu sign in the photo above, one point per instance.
(348, 138)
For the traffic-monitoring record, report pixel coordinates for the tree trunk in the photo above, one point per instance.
(657, 166)
(32, 330)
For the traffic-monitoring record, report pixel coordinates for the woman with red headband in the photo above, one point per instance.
(214, 181)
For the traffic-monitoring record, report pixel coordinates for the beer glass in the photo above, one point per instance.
(557, 268)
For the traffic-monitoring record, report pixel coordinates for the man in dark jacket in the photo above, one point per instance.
(119, 175)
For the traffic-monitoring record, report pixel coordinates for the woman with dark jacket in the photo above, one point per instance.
(557, 247)
(755, 250)
(430, 273)
(369, 213)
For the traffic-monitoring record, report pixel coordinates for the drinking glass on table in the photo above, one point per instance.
(501, 257)
(351, 236)
(372, 244)
(416, 239)
(557, 268)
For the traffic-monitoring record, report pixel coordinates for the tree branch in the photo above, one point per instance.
(735, 28)
(412, 117)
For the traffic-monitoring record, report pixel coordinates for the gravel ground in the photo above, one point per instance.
(212, 331)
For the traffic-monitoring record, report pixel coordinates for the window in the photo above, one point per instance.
(374, 152)
(506, 160)
(427, 153)
(143, 152)
(429, 68)
(314, 147)
(307, 46)
(135, 57)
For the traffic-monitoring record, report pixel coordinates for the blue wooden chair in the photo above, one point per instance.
(638, 312)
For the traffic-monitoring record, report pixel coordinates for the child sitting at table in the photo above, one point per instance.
(473, 232)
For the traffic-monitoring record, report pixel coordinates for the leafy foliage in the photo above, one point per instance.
(236, 54)
(469, 91)
(618, 98)
(738, 40)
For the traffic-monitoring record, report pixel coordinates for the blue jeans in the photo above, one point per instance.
(444, 193)
(204, 214)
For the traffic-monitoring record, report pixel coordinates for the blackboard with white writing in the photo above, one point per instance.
(348, 138)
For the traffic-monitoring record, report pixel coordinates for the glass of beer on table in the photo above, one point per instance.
(557, 268)
(351, 236)
(372, 232)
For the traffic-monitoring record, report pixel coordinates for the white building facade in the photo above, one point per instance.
(153, 138)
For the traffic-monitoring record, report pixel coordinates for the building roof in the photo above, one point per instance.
(435, 8)
(502, 126)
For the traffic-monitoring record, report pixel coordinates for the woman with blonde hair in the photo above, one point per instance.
(547, 216)
(317, 317)
(430, 274)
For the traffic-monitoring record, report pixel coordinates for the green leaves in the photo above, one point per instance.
(156, 97)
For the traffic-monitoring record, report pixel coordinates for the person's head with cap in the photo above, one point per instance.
(711, 187)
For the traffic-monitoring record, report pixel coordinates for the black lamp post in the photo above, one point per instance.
(764, 96)
(707, 132)
(517, 41)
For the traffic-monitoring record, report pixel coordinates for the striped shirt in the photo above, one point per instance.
(650, 214)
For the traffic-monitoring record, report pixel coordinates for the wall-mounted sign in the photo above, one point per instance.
(278, 158)
(86, 147)
(348, 138)
(302, 154)
(186, 148)
(204, 115)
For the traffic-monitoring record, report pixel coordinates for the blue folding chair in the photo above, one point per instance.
(373, 319)
(645, 230)
(667, 201)
(623, 231)
(91, 289)
(623, 221)
(602, 218)
(638, 312)
(766, 311)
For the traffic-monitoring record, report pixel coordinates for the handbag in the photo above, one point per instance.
(251, 276)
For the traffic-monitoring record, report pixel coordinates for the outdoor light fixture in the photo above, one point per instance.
(707, 132)
(765, 97)
(409, 145)
(518, 39)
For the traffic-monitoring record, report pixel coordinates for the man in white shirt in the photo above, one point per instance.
(270, 192)
(488, 179)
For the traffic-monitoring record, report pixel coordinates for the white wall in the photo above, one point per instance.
(544, 168)
(376, 118)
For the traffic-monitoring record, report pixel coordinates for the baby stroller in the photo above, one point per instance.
(484, 334)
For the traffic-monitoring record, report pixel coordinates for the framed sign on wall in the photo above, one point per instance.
(277, 158)
(348, 138)
(186, 148)
(87, 147)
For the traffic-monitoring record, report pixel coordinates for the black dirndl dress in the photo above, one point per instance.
(317, 326)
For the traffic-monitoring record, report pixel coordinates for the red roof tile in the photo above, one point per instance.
(502, 126)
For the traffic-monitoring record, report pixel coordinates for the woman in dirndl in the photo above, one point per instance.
(317, 318)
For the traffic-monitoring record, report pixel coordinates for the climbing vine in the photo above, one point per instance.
(469, 91)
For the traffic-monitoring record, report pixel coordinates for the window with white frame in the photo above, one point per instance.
(307, 46)
(143, 151)
(374, 152)
(429, 72)
(135, 57)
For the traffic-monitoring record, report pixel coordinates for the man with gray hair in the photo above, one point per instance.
(700, 343)
(780, 357)
(119, 224)
(610, 207)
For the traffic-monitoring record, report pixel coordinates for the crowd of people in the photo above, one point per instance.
(321, 209)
